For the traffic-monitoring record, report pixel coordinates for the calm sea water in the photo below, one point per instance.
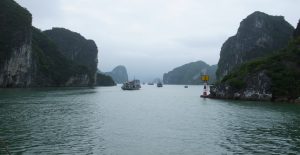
(169, 120)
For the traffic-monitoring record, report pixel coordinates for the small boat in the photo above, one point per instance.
(159, 84)
(131, 85)
(186, 86)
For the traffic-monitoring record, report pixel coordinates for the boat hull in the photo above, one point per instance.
(130, 88)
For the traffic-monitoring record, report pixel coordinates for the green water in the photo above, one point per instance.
(169, 120)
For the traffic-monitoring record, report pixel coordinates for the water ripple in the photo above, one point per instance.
(171, 120)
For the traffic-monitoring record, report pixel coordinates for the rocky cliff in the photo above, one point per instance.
(190, 73)
(15, 45)
(272, 78)
(259, 35)
(28, 58)
(76, 48)
(119, 74)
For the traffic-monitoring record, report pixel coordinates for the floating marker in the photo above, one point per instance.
(205, 79)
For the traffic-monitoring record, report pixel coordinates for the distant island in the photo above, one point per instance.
(190, 74)
(119, 74)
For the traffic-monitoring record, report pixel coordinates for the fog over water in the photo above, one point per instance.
(151, 37)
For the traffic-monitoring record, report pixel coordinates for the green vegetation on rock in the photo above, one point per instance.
(283, 69)
(76, 48)
(53, 69)
(104, 80)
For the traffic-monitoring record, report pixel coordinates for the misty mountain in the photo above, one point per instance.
(190, 73)
(119, 74)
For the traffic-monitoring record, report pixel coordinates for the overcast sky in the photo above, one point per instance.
(151, 37)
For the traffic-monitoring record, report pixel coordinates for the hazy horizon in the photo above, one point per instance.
(153, 37)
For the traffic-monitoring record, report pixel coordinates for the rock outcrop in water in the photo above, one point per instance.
(119, 74)
(272, 78)
(259, 35)
(29, 58)
(190, 73)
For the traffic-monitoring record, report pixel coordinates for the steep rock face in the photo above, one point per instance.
(258, 35)
(119, 74)
(15, 45)
(76, 48)
(51, 68)
(78, 80)
(274, 78)
(190, 73)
